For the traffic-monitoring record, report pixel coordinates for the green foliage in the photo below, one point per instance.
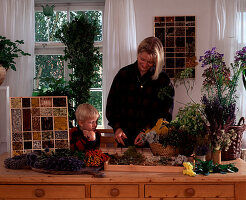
(165, 94)
(130, 156)
(9, 51)
(78, 36)
(185, 78)
(54, 87)
(45, 28)
(207, 167)
(187, 130)
(192, 120)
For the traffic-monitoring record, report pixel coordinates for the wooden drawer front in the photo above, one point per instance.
(114, 191)
(217, 191)
(42, 191)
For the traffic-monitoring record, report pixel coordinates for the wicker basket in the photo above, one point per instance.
(158, 150)
(235, 149)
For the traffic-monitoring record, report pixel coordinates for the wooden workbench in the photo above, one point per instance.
(27, 184)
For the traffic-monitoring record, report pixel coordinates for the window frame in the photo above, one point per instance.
(57, 48)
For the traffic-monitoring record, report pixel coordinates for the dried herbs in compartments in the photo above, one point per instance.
(177, 34)
(38, 123)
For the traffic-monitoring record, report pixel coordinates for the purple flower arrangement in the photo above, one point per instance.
(219, 90)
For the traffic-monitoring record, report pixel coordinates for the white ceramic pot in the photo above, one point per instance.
(2, 74)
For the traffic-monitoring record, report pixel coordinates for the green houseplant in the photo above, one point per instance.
(83, 58)
(10, 50)
(188, 129)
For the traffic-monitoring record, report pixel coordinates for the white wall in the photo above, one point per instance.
(146, 10)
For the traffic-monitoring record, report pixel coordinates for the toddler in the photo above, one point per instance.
(85, 137)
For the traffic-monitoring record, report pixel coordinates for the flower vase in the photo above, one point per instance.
(216, 156)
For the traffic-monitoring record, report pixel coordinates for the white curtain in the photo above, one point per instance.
(17, 22)
(228, 36)
(119, 41)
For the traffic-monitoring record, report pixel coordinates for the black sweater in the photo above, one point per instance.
(133, 103)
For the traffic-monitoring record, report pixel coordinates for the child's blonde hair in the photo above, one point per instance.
(86, 111)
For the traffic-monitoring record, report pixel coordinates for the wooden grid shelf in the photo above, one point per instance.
(38, 123)
(177, 34)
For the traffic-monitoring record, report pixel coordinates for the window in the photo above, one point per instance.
(49, 67)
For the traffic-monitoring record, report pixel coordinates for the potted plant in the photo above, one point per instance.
(83, 58)
(9, 50)
(188, 128)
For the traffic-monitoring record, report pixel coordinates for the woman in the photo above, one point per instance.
(133, 104)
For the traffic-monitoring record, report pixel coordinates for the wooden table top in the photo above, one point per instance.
(28, 176)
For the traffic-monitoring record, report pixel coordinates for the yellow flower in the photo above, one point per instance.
(163, 131)
(188, 169)
(160, 127)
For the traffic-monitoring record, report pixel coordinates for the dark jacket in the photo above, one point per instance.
(133, 103)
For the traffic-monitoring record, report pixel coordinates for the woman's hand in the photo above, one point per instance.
(120, 136)
(138, 140)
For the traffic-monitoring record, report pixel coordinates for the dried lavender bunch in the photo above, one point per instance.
(16, 162)
(218, 114)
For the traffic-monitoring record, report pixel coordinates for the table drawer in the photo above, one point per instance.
(211, 191)
(42, 191)
(118, 190)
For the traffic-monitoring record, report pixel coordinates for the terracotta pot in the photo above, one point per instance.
(216, 156)
(2, 74)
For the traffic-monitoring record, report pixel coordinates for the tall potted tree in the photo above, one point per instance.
(78, 36)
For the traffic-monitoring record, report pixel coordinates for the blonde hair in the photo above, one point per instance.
(86, 111)
(153, 46)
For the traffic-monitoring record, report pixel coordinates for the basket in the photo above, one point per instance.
(159, 150)
(235, 149)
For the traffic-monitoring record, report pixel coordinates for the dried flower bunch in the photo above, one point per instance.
(219, 94)
(153, 135)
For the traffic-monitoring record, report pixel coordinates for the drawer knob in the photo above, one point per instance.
(189, 192)
(115, 192)
(39, 193)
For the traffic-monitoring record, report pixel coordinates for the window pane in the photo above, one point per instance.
(47, 66)
(97, 80)
(96, 101)
(45, 27)
(92, 15)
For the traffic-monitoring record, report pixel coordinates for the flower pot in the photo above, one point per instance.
(2, 74)
(216, 156)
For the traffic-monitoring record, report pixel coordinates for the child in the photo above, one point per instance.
(84, 137)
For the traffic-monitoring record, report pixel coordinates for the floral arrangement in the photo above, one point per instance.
(219, 94)
(95, 158)
(153, 135)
